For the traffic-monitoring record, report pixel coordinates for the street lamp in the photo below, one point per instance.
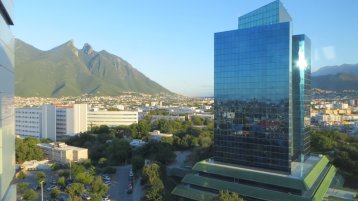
(42, 190)
(70, 171)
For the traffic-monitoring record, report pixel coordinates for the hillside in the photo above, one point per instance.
(68, 71)
(333, 70)
(336, 78)
(338, 82)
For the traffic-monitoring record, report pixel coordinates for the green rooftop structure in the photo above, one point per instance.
(308, 181)
(262, 91)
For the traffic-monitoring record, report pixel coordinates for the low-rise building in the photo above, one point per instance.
(63, 153)
(136, 143)
(112, 118)
(35, 165)
(168, 117)
(157, 136)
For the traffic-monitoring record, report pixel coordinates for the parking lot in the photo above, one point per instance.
(31, 179)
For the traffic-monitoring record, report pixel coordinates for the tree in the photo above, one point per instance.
(22, 187)
(84, 178)
(22, 175)
(55, 193)
(226, 196)
(102, 162)
(103, 129)
(40, 176)
(76, 189)
(137, 162)
(119, 150)
(77, 168)
(151, 175)
(27, 149)
(197, 120)
(98, 187)
(61, 182)
(30, 195)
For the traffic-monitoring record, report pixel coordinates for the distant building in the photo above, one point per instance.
(157, 136)
(36, 122)
(136, 143)
(71, 120)
(63, 153)
(111, 118)
(35, 165)
(168, 117)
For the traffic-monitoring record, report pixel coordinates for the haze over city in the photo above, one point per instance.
(171, 42)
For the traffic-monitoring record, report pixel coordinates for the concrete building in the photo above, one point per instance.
(36, 122)
(157, 136)
(71, 120)
(262, 95)
(168, 117)
(7, 124)
(111, 118)
(62, 153)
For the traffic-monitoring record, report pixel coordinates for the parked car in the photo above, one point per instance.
(106, 177)
(50, 188)
(85, 196)
(107, 182)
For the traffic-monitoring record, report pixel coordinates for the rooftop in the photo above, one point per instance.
(302, 175)
(65, 148)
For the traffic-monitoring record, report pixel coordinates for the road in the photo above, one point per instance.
(119, 184)
(137, 191)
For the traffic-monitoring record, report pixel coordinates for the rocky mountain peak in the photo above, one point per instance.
(87, 49)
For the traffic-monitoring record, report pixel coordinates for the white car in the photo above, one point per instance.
(50, 188)
(106, 177)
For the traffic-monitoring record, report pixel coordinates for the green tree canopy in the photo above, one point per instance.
(76, 189)
(27, 149)
(98, 187)
(226, 196)
(84, 178)
(30, 195)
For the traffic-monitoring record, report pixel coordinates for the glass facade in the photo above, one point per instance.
(255, 116)
(301, 86)
(7, 136)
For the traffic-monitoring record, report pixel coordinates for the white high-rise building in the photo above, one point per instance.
(71, 120)
(7, 136)
(36, 122)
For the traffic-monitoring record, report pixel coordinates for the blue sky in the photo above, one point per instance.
(172, 41)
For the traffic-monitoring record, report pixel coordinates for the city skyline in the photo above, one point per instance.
(175, 39)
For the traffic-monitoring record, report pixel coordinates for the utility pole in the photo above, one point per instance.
(70, 171)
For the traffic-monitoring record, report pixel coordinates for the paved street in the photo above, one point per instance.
(119, 184)
(137, 191)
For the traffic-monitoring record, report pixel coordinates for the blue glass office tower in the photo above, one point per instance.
(262, 110)
(261, 83)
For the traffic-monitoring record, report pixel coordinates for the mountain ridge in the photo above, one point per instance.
(333, 70)
(68, 71)
(336, 78)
